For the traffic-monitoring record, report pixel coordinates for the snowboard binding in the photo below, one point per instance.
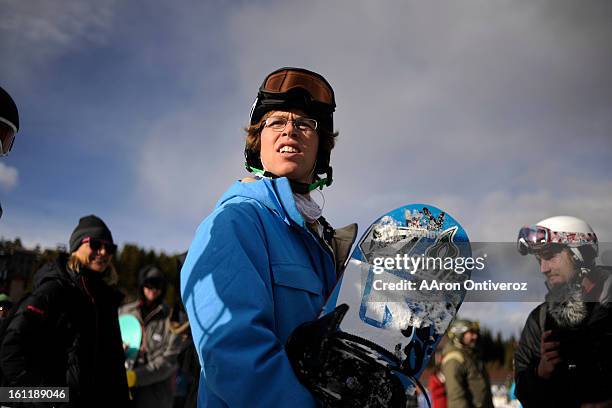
(343, 370)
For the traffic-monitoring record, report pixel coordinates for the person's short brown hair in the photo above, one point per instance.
(327, 141)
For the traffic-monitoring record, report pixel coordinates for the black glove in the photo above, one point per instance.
(343, 370)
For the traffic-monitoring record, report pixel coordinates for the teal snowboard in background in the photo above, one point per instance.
(131, 335)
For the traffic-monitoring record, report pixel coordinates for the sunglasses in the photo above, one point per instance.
(153, 284)
(97, 244)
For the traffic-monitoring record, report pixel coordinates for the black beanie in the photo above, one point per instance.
(89, 226)
(152, 274)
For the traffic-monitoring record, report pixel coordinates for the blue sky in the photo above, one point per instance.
(498, 112)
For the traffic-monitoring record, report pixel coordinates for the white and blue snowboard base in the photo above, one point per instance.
(381, 324)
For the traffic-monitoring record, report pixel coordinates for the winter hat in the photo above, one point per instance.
(153, 276)
(151, 273)
(4, 298)
(89, 226)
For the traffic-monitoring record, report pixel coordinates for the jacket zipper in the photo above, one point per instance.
(143, 322)
(93, 301)
(324, 246)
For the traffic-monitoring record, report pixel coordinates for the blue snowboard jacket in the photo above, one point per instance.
(253, 273)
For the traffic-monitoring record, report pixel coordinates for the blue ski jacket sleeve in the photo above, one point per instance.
(253, 273)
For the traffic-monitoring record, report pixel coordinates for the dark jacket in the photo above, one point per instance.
(67, 334)
(584, 375)
(467, 381)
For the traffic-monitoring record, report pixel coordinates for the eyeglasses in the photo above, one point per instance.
(278, 123)
(7, 138)
(97, 244)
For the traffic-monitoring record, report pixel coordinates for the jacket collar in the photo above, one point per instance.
(275, 194)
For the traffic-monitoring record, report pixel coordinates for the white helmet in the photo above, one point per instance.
(572, 232)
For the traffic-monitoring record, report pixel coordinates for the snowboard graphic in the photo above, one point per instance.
(399, 292)
(131, 335)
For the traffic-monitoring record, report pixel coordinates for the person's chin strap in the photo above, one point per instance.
(296, 186)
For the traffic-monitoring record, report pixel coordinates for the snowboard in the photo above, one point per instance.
(381, 323)
(131, 335)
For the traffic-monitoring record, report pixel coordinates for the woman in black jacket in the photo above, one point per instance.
(66, 333)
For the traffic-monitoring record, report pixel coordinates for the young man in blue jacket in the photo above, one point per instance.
(265, 260)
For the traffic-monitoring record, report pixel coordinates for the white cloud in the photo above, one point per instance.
(186, 162)
(436, 104)
(496, 112)
(497, 216)
(485, 109)
(34, 32)
(42, 21)
(9, 176)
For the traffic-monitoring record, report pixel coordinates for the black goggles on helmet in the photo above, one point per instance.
(295, 88)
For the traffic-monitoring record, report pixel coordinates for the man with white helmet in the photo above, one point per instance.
(466, 379)
(564, 358)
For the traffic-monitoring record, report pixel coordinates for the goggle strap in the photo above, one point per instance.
(10, 124)
(301, 188)
(254, 170)
(11, 139)
(253, 108)
(318, 184)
